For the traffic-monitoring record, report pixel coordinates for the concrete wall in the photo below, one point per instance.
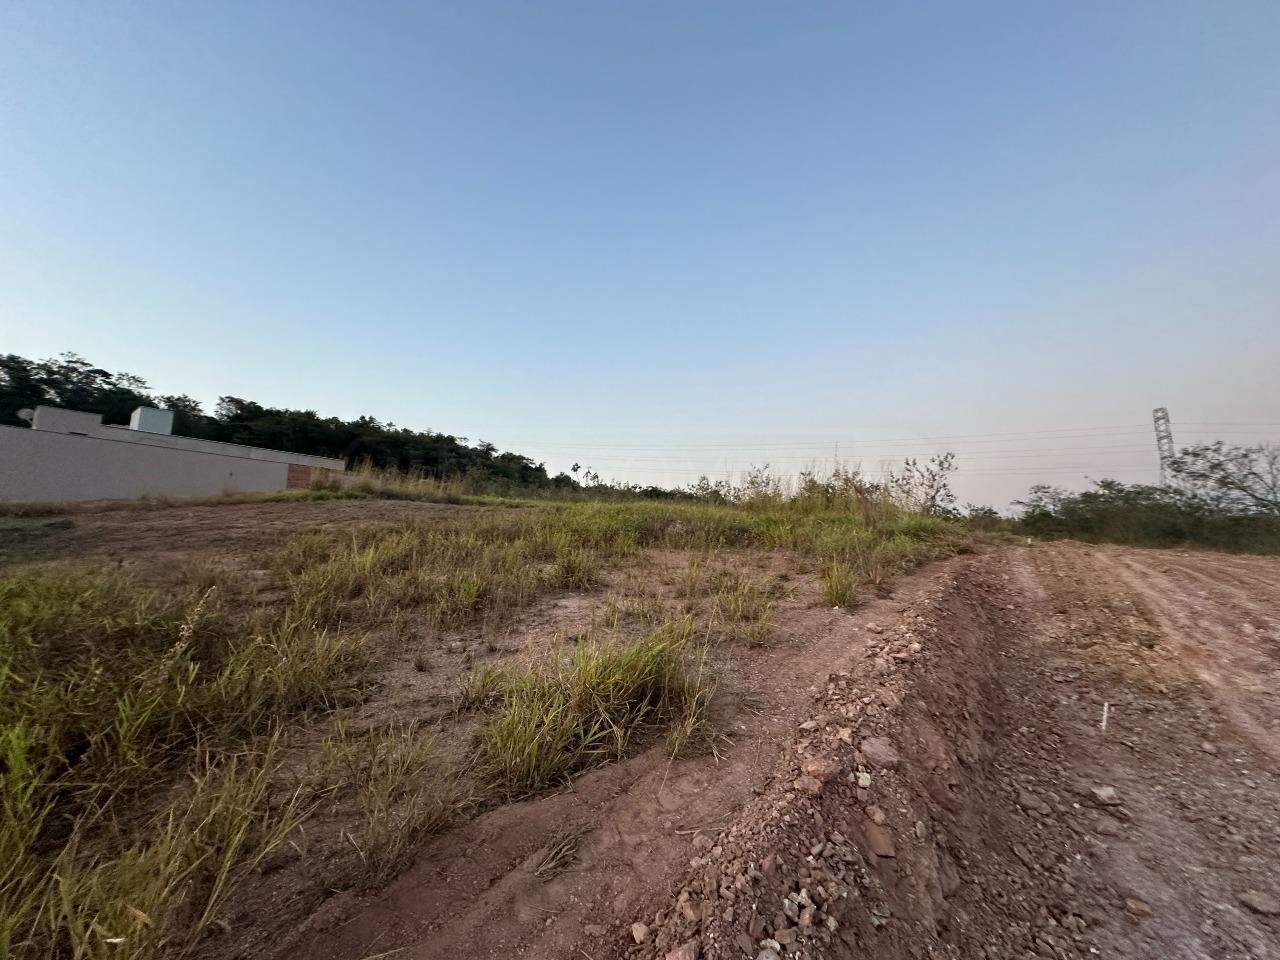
(47, 465)
(61, 420)
(128, 435)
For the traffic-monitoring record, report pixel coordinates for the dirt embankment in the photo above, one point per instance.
(928, 777)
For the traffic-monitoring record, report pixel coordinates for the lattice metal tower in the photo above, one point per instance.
(1164, 441)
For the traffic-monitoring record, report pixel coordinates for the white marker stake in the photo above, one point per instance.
(1106, 711)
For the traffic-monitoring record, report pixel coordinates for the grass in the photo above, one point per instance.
(839, 584)
(481, 688)
(450, 574)
(742, 607)
(485, 567)
(558, 852)
(141, 730)
(106, 687)
(559, 717)
(143, 893)
(404, 790)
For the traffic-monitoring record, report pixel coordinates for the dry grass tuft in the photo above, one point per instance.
(558, 853)
(404, 791)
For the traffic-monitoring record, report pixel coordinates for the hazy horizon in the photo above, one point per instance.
(663, 241)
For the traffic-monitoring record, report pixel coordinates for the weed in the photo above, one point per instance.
(691, 582)
(576, 568)
(480, 689)
(742, 607)
(151, 893)
(565, 715)
(452, 574)
(644, 607)
(107, 687)
(404, 792)
(839, 584)
(558, 852)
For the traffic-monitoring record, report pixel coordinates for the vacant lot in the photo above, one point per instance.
(361, 728)
(217, 706)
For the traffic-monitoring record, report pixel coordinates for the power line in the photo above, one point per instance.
(1042, 469)
(856, 455)
(1027, 436)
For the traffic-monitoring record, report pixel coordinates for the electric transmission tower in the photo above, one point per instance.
(1164, 441)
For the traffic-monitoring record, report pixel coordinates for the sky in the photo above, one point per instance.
(666, 239)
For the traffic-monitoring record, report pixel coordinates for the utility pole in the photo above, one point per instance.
(1164, 441)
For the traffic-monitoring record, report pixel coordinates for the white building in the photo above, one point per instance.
(72, 455)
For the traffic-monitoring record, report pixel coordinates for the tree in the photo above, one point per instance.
(20, 388)
(926, 486)
(68, 380)
(1238, 479)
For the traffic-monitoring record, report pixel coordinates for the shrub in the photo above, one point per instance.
(1143, 515)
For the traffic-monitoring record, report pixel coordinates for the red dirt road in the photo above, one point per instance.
(1003, 823)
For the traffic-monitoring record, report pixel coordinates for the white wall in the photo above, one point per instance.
(109, 431)
(50, 466)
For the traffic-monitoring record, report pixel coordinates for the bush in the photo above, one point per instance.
(1141, 515)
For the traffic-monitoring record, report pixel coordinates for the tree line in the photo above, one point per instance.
(1220, 496)
(72, 381)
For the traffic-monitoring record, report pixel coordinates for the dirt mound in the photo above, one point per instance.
(954, 793)
(890, 827)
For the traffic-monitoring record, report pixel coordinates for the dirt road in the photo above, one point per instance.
(925, 776)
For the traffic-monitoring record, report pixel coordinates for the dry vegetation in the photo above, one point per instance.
(154, 742)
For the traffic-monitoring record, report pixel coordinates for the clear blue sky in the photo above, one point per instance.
(663, 238)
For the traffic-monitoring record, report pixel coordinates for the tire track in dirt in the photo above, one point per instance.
(1239, 665)
(1194, 827)
(1253, 593)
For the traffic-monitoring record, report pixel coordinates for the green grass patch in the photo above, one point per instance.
(107, 690)
(839, 584)
(567, 714)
